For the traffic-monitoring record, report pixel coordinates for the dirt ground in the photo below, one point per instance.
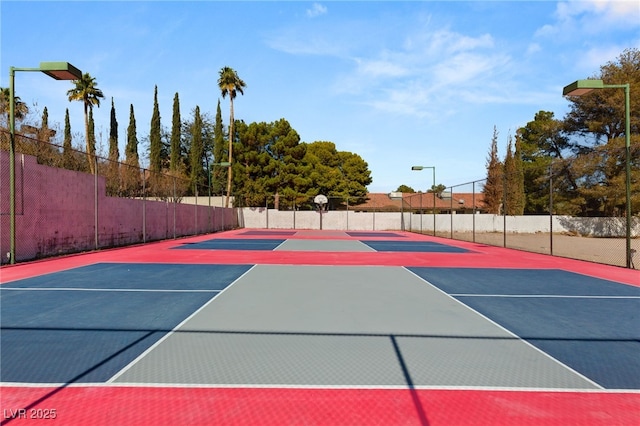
(610, 251)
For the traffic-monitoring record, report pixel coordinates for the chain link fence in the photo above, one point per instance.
(61, 207)
(554, 228)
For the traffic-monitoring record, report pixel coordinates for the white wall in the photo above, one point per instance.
(361, 221)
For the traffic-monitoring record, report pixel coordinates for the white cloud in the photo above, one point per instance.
(428, 74)
(316, 10)
(592, 16)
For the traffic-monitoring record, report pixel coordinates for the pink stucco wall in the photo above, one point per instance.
(56, 213)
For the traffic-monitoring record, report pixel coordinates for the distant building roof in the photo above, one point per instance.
(422, 201)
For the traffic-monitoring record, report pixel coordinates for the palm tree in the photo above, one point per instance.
(86, 90)
(229, 84)
(20, 108)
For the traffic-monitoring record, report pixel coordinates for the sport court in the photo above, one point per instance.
(319, 327)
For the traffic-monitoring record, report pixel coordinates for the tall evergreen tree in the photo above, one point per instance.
(113, 178)
(174, 163)
(494, 185)
(131, 149)
(598, 119)
(545, 148)
(511, 180)
(230, 84)
(67, 150)
(131, 181)
(114, 152)
(218, 173)
(155, 142)
(197, 148)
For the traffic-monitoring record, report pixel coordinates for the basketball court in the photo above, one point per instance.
(319, 327)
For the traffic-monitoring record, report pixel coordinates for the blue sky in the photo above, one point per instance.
(399, 83)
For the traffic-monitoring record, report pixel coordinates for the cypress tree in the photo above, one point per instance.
(114, 153)
(509, 168)
(197, 147)
(175, 135)
(493, 187)
(67, 150)
(131, 174)
(155, 143)
(131, 150)
(219, 173)
(113, 178)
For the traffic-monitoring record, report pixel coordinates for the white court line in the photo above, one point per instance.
(166, 336)
(542, 296)
(107, 289)
(134, 385)
(597, 385)
(279, 245)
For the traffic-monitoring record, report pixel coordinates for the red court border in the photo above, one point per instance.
(106, 404)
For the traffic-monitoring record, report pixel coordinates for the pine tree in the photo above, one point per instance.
(174, 164)
(155, 142)
(493, 188)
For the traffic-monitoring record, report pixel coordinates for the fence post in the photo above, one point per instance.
(174, 207)
(144, 205)
(504, 210)
(95, 184)
(473, 201)
(451, 211)
(551, 208)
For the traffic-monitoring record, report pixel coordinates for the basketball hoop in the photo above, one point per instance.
(321, 201)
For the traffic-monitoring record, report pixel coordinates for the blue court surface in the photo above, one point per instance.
(591, 325)
(234, 244)
(413, 246)
(85, 324)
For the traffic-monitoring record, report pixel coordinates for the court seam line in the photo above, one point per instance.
(167, 335)
(547, 296)
(577, 373)
(116, 290)
(318, 387)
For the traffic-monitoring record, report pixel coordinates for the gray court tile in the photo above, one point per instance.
(324, 245)
(344, 326)
(269, 359)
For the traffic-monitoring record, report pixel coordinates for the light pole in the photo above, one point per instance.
(57, 71)
(221, 164)
(418, 168)
(582, 87)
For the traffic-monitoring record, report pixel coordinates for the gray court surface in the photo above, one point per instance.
(324, 245)
(343, 326)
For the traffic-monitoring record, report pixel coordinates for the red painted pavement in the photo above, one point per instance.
(106, 405)
(480, 256)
